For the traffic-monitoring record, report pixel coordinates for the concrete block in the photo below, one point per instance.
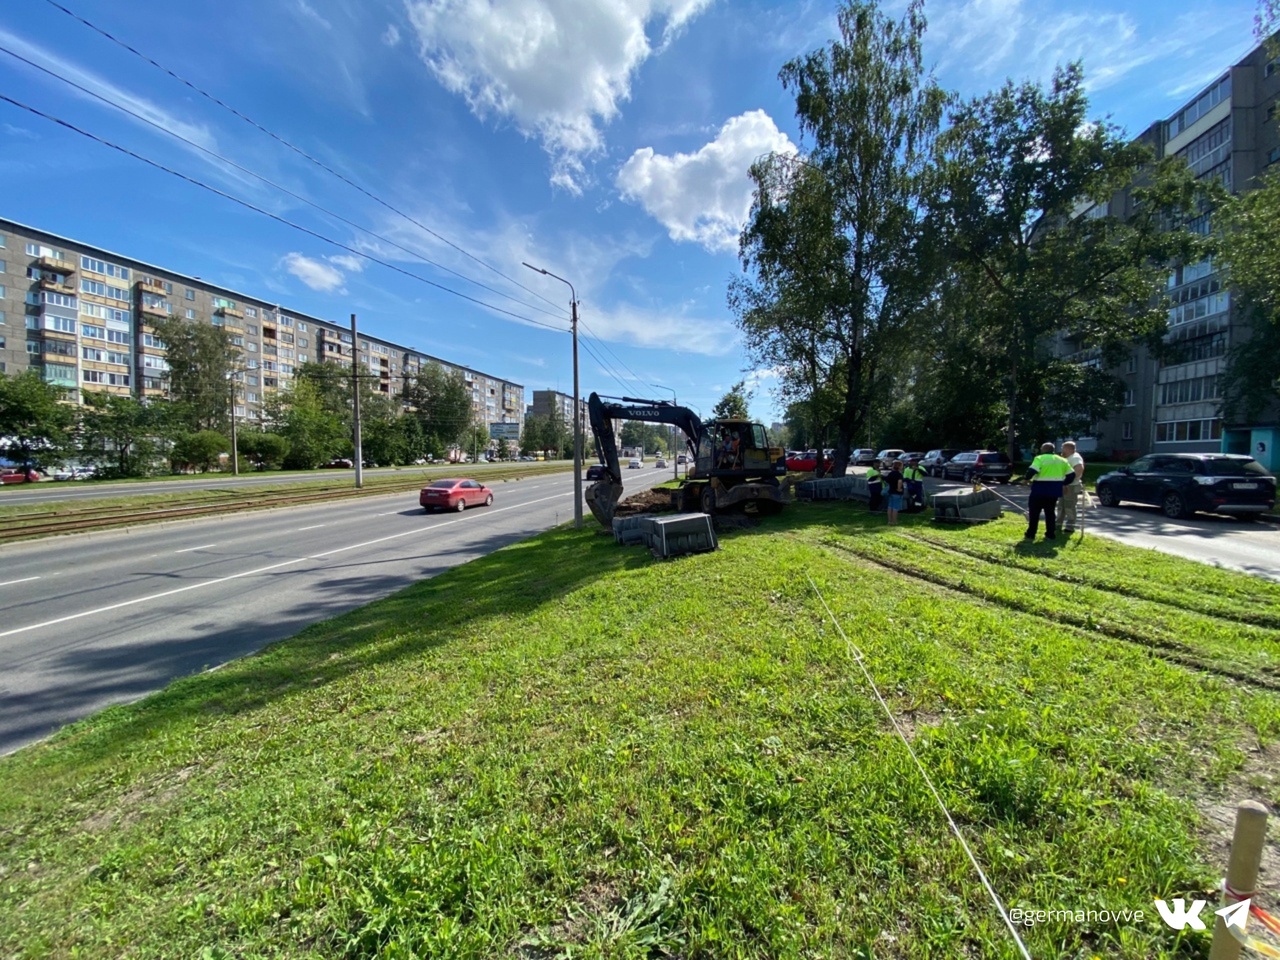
(680, 534)
(966, 505)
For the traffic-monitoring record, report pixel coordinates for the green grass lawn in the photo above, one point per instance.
(568, 749)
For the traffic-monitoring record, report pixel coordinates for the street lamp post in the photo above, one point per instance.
(675, 460)
(235, 453)
(577, 419)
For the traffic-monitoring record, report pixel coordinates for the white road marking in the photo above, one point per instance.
(249, 573)
(313, 527)
(189, 549)
(9, 583)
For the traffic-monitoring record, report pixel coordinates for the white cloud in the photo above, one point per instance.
(108, 91)
(557, 69)
(704, 197)
(310, 13)
(316, 274)
(391, 37)
(348, 262)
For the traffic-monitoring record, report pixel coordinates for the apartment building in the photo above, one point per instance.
(85, 316)
(1226, 132)
(553, 403)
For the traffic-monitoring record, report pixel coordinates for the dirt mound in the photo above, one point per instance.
(646, 501)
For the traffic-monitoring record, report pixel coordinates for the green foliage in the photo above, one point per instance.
(545, 434)
(124, 437)
(651, 437)
(733, 405)
(35, 421)
(314, 434)
(835, 241)
(201, 451)
(201, 359)
(266, 451)
(441, 401)
(1015, 166)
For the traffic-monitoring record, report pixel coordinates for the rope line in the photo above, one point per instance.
(856, 655)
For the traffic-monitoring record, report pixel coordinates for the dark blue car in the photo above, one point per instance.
(1182, 483)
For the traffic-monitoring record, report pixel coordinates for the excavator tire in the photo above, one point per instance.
(708, 500)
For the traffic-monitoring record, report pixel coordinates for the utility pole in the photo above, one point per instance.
(577, 419)
(355, 403)
(235, 451)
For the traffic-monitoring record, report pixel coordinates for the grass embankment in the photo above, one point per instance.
(255, 495)
(569, 749)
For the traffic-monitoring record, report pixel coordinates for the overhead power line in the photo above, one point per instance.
(605, 345)
(271, 183)
(603, 365)
(266, 213)
(300, 152)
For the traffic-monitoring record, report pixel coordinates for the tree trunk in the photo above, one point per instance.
(1011, 437)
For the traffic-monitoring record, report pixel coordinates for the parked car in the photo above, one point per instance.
(1182, 483)
(807, 461)
(933, 461)
(978, 465)
(634, 464)
(595, 472)
(862, 457)
(892, 454)
(75, 473)
(455, 493)
(18, 475)
(912, 455)
(342, 462)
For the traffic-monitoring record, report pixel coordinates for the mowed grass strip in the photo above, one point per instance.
(1116, 568)
(569, 749)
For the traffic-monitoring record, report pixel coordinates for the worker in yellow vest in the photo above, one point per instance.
(1046, 473)
(875, 486)
(914, 478)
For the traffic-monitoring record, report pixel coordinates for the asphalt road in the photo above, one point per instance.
(106, 618)
(50, 491)
(1250, 546)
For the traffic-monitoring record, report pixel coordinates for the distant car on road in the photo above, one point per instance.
(659, 462)
(596, 472)
(978, 465)
(933, 461)
(634, 464)
(1181, 484)
(454, 493)
(682, 459)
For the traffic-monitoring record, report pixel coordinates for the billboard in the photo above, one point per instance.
(504, 431)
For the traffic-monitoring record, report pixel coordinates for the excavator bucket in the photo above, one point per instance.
(602, 497)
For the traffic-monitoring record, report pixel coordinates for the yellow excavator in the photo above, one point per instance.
(731, 462)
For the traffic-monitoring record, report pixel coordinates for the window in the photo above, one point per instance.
(1, 318)
(61, 324)
(1126, 430)
(1188, 431)
(33, 346)
(33, 323)
(1273, 155)
(155, 363)
(191, 294)
(191, 314)
(93, 376)
(286, 321)
(252, 329)
(36, 250)
(93, 332)
(302, 342)
(117, 336)
(302, 327)
(101, 312)
(151, 340)
(90, 353)
(1, 241)
(250, 311)
(1128, 398)
(1200, 106)
(1, 343)
(2, 266)
(104, 268)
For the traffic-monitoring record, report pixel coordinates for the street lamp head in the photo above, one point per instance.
(533, 268)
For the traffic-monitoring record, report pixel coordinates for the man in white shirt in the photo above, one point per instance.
(1072, 490)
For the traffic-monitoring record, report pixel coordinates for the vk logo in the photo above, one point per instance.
(1180, 917)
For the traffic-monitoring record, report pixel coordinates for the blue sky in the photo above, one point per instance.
(606, 142)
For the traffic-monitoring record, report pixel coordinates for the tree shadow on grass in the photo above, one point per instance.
(529, 575)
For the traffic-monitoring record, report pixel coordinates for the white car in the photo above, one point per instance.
(634, 464)
(660, 463)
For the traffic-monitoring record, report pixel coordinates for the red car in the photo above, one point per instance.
(17, 475)
(454, 494)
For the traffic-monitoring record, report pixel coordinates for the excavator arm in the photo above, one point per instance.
(603, 496)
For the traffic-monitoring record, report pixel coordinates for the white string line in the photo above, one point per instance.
(855, 654)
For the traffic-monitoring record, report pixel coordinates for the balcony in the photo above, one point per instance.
(57, 286)
(230, 312)
(153, 309)
(147, 285)
(55, 265)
